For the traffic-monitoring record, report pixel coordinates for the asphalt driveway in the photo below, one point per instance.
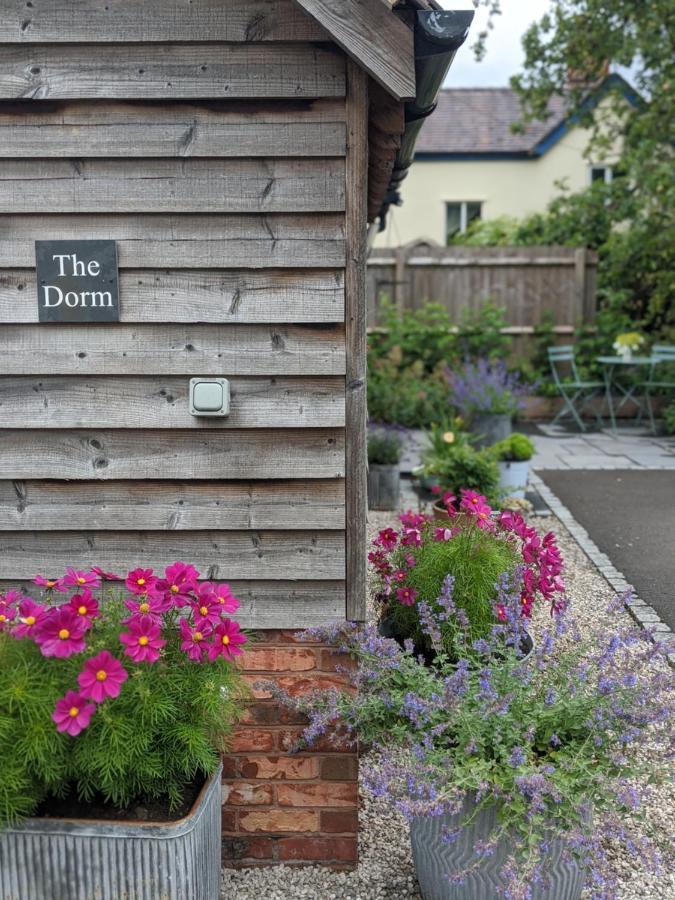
(630, 515)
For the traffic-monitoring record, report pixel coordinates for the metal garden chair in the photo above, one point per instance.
(576, 394)
(662, 354)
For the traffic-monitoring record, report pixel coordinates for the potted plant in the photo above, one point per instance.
(461, 466)
(515, 777)
(479, 553)
(513, 456)
(115, 703)
(489, 396)
(627, 344)
(384, 478)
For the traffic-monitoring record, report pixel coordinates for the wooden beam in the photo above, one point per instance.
(373, 37)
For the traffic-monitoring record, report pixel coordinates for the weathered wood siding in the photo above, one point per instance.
(214, 142)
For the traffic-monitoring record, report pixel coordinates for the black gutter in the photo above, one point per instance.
(438, 37)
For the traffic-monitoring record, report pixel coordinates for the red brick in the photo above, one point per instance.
(229, 820)
(272, 821)
(230, 767)
(287, 739)
(291, 717)
(236, 849)
(295, 637)
(246, 740)
(332, 660)
(276, 659)
(319, 794)
(241, 793)
(260, 714)
(340, 822)
(279, 767)
(339, 768)
(312, 849)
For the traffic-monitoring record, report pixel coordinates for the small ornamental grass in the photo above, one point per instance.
(115, 689)
(545, 743)
(478, 550)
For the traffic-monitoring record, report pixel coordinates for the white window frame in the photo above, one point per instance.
(607, 169)
(463, 213)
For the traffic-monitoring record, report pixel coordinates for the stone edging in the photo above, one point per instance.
(646, 616)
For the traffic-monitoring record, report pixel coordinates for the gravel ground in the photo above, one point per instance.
(385, 870)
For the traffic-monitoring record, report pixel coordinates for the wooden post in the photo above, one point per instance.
(355, 324)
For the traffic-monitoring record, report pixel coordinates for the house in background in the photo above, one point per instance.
(469, 164)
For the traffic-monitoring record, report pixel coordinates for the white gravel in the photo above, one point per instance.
(385, 870)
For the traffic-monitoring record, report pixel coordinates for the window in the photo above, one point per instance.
(460, 215)
(601, 173)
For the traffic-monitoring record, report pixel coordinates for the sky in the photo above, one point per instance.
(504, 54)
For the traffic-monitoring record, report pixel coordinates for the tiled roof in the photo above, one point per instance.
(478, 120)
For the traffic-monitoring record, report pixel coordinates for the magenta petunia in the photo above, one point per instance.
(76, 579)
(143, 640)
(140, 581)
(102, 677)
(85, 606)
(179, 583)
(29, 618)
(225, 599)
(193, 640)
(60, 632)
(73, 713)
(226, 641)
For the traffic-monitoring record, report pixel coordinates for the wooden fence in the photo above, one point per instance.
(528, 282)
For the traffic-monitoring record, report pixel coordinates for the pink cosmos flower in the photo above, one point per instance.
(206, 610)
(85, 606)
(72, 713)
(501, 612)
(193, 640)
(178, 584)
(30, 615)
(225, 599)
(60, 632)
(400, 575)
(449, 501)
(412, 537)
(102, 677)
(226, 640)
(7, 614)
(76, 579)
(140, 581)
(154, 605)
(412, 520)
(443, 534)
(49, 584)
(106, 576)
(406, 596)
(143, 639)
(386, 539)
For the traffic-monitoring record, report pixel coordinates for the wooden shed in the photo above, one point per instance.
(230, 154)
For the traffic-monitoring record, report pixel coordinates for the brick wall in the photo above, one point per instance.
(280, 807)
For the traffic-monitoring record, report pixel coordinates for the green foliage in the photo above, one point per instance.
(165, 729)
(669, 418)
(476, 559)
(480, 335)
(413, 338)
(461, 466)
(405, 396)
(516, 448)
(384, 448)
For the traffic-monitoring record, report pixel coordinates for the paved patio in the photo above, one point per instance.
(629, 448)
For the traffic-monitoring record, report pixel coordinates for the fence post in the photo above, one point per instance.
(581, 286)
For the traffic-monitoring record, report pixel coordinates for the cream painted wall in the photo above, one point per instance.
(505, 187)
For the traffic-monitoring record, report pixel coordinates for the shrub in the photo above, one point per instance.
(111, 699)
(461, 466)
(669, 418)
(384, 448)
(485, 387)
(516, 448)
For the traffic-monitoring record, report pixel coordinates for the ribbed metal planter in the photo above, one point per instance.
(435, 860)
(76, 859)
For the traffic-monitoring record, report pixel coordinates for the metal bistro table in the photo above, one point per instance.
(611, 366)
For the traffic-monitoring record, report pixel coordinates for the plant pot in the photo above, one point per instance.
(436, 859)
(384, 487)
(80, 859)
(513, 478)
(490, 428)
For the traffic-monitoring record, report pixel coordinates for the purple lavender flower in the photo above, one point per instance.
(485, 387)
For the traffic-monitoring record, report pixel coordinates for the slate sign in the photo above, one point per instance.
(77, 281)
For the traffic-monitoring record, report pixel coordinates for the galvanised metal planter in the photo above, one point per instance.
(435, 860)
(384, 487)
(77, 859)
(490, 428)
(513, 477)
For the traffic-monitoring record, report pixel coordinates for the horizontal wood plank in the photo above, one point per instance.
(315, 555)
(213, 129)
(166, 185)
(265, 604)
(188, 241)
(195, 296)
(168, 71)
(76, 21)
(172, 506)
(171, 349)
(131, 402)
(206, 455)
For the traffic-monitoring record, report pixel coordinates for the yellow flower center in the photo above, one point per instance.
(64, 634)
(73, 711)
(50, 584)
(143, 640)
(203, 610)
(29, 620)
(174, 588)
(101, 675)
(221, 600)
(3, 617)
(226, 640)
(141, 582)
(197, 636)
(144, 607)
(81, 580)
(82, 610)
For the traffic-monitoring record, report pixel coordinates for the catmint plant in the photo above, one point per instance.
(486, 387)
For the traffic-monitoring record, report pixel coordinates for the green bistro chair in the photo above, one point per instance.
(660, 376)
(576, 394)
